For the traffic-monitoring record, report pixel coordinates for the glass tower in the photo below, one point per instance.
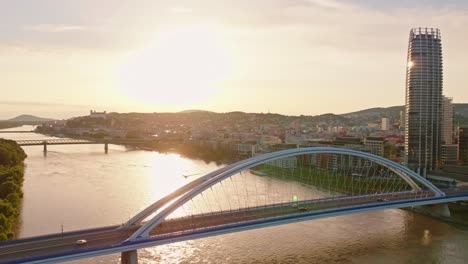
(423, 100)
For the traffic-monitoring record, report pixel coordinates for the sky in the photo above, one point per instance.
(61, 58)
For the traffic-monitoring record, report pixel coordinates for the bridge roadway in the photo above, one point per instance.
(113, 237)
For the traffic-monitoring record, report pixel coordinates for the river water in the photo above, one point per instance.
(79, 186)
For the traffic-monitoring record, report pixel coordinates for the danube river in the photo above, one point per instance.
(79, 186)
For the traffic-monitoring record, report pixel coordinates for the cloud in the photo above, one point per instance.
(328, 3)
(32, 103)
(53, 28)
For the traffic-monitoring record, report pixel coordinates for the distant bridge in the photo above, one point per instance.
(67, 141)
(314, 183)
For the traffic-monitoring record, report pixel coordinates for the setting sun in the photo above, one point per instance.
(181, 66)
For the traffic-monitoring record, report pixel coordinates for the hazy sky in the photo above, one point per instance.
(284, 56)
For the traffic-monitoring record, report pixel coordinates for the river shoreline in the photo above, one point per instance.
(11, 187)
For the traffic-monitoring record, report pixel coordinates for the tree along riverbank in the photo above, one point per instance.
(12, 159)
(219, 156)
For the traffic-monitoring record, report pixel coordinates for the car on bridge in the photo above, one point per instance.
(382, 200)
(80, 242)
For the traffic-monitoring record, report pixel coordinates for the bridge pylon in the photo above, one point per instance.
(129, 257)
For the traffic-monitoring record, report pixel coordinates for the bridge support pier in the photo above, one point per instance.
(441, 209)
(106, 148)
(435, 210)
(129, 257)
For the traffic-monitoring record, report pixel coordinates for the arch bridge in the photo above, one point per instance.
(271, 189)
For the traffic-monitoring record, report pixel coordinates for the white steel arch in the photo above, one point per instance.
(192, 189)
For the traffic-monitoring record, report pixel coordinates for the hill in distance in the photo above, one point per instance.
(393, 112)
(29, 118)
(362, 117)
(194, 111)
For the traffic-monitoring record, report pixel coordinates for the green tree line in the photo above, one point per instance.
(11, 181)
(193, 151)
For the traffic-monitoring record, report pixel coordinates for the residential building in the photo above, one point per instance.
(285, 163)
(449, 154)
(447, 120)
(375, 145)
(268, 140)
(372, 125)
(245, 148)
(463, 145)
(402, 120)
(347, 140)
(385, 124)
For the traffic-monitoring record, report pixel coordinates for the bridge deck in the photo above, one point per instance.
(76, 142)
(113, 238)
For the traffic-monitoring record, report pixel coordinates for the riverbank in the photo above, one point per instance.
(12, 159)
(192, 151)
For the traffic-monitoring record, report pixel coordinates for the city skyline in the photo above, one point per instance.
(259, 57)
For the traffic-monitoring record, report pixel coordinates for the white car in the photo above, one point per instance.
(81, 242)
